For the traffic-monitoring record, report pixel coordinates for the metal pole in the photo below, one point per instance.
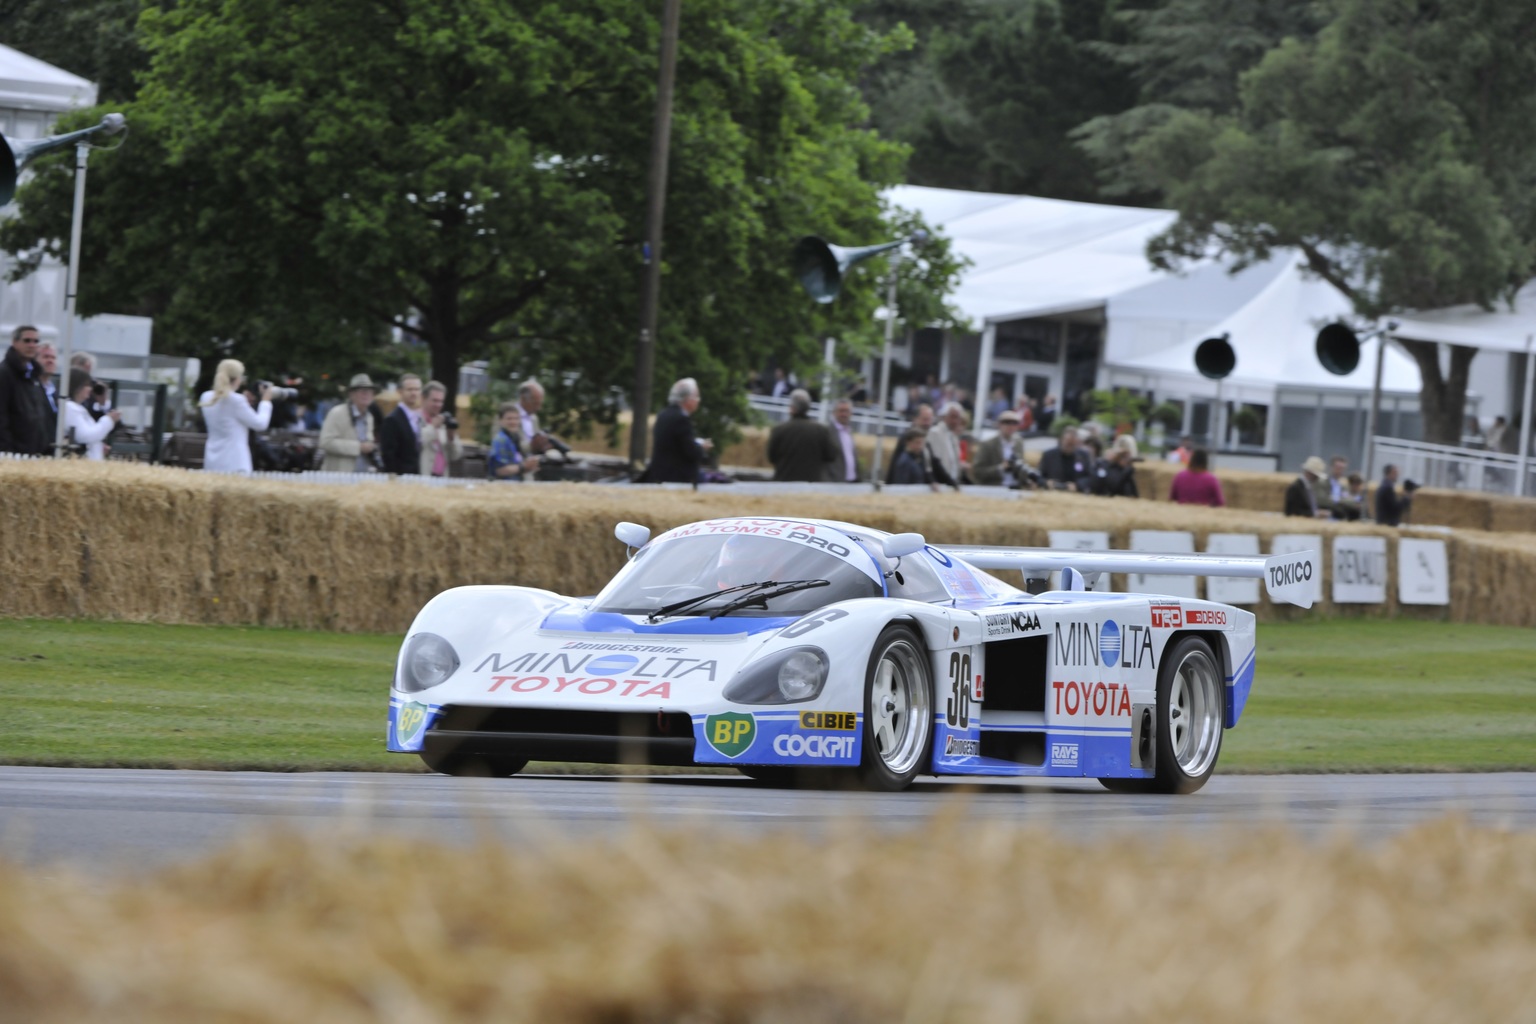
(1525, 418)
(830, 354)
(885, 365)
(67, 336)
(1370, 423)
(984, 374)
(650, 300)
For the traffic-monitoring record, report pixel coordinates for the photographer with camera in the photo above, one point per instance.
(230, 419)
(347, 435)
(1390, 509)
(440, 444)
(530, 399)
(1000, 459)
(79, 427)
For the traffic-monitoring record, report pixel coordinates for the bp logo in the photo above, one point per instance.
(409, 722)
(730, 733)
(1109, 643)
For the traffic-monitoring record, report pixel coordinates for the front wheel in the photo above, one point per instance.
(898, 711)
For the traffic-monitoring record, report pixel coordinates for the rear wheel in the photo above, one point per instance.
(898, 711)
(475, 765)
(1190, 703)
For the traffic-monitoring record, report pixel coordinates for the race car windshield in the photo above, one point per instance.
(715, 569)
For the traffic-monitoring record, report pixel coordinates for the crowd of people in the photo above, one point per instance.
(1331, 491)
(31, 403)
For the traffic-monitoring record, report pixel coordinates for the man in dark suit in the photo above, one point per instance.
(676, 454)
(1390, 507)
(400, 437)
(1301, 496)
(800, 448)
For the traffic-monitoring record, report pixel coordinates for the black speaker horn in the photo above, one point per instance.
(1338, 349)
(1214, 357)
(819, 265)
(16, 154)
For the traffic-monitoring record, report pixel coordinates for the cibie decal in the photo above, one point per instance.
(1007, 623)
(832, 721)
(409, 722)
(730, 733)
(1205, 617)
(1063, 755)
(1167, 616)
(956, 747)
(793, 745)
(1109, 643)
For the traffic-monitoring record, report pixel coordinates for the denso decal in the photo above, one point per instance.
(1063, 755)
(832, 721)
(954, 746)
(589, 686)
(1008, 623)
(731, 733)
(792, 745)
(1167, 616)
(1205, 617)
(1087, 698)
(661, 666)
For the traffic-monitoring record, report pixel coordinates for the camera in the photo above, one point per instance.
(450, 421)
(1409, 486)
(278, 393)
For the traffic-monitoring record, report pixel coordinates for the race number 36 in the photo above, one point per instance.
(958, 710)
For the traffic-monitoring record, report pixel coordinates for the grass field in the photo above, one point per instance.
(1351, 695)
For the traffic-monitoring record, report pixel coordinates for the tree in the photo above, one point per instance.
(94, 39)
(1393, 148)
(472, 173)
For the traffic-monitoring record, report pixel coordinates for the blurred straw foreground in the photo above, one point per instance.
(958, 921)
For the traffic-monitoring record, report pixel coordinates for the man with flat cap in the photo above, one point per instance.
(347, 436)
(1301, 496)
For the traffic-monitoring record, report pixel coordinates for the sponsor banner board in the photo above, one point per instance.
(1423, 574)
(1163, 542)
(1080, 540)
(1222, 588)
(1359, 570)
(1284, 543)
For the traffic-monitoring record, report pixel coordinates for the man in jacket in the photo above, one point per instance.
(800, 449)
(944, 443)
(1390, 507)
(933, 469)
(347, 436)
(1301, 496)
(844, 469)
(400, 438)
(1067, 466)
(676, 454)
(1000, 460)
(23, 406)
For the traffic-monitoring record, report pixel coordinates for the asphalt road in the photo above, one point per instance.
(106, 819)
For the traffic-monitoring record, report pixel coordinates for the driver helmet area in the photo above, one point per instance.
(744, 558)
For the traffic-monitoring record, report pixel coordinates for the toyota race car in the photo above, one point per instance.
(810, 650)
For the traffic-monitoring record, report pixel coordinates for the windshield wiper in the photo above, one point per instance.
(689, 602)
(763, 597)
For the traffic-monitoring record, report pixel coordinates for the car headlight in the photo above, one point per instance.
(787, 678)
(427, 660)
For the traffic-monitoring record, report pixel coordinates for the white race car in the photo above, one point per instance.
(814, 650)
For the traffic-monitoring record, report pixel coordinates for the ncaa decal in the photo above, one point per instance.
(790, 744)
(1167, 616)
(730, 733)
(409, 723)
(1063, 755)
(1008, 623)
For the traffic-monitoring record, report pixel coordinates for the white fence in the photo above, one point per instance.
(866, 419)
(1457, 469)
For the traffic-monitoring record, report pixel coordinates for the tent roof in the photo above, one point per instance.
(27, 83)
(1509, 329)
(1035, 256)
(1274, 336)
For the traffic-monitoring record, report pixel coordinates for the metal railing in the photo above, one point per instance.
(1457, 469)
(866, 419)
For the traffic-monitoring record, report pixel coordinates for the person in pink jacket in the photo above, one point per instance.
(1197, 485)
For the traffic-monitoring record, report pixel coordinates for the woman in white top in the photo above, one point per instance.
(231, 419)
(81, 428)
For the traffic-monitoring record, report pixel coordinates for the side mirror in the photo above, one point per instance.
(632, 534)
(900, 544)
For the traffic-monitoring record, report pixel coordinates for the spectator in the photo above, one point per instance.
(48, 363)
(945, 441)
(1046, 414)
(1000, 460)
(1115, 476)
(845, 468)
(997, 404)
(1196, 485)
(77, 421)
(800, 449)
(400, 440)
(1390, 508)
(911, 464)
(1066, 467)
(230, 420)
(23, 407)
(1340, 503)
(100, 402)
(781, 384)
(1356, 495)
(1183, 452)
(933, 469)
(1301, 496)
(1026, 411)
(530, 401)
(440, 444)
(676, 454)
(507, 460)
(1493, 441)
(348, 437)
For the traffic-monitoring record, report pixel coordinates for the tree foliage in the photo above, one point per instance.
(303, 176)
(1393, 147)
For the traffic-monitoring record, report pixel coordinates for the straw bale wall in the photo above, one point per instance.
(140, 543)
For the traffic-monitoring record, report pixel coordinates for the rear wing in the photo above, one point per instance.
(1287, 577)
